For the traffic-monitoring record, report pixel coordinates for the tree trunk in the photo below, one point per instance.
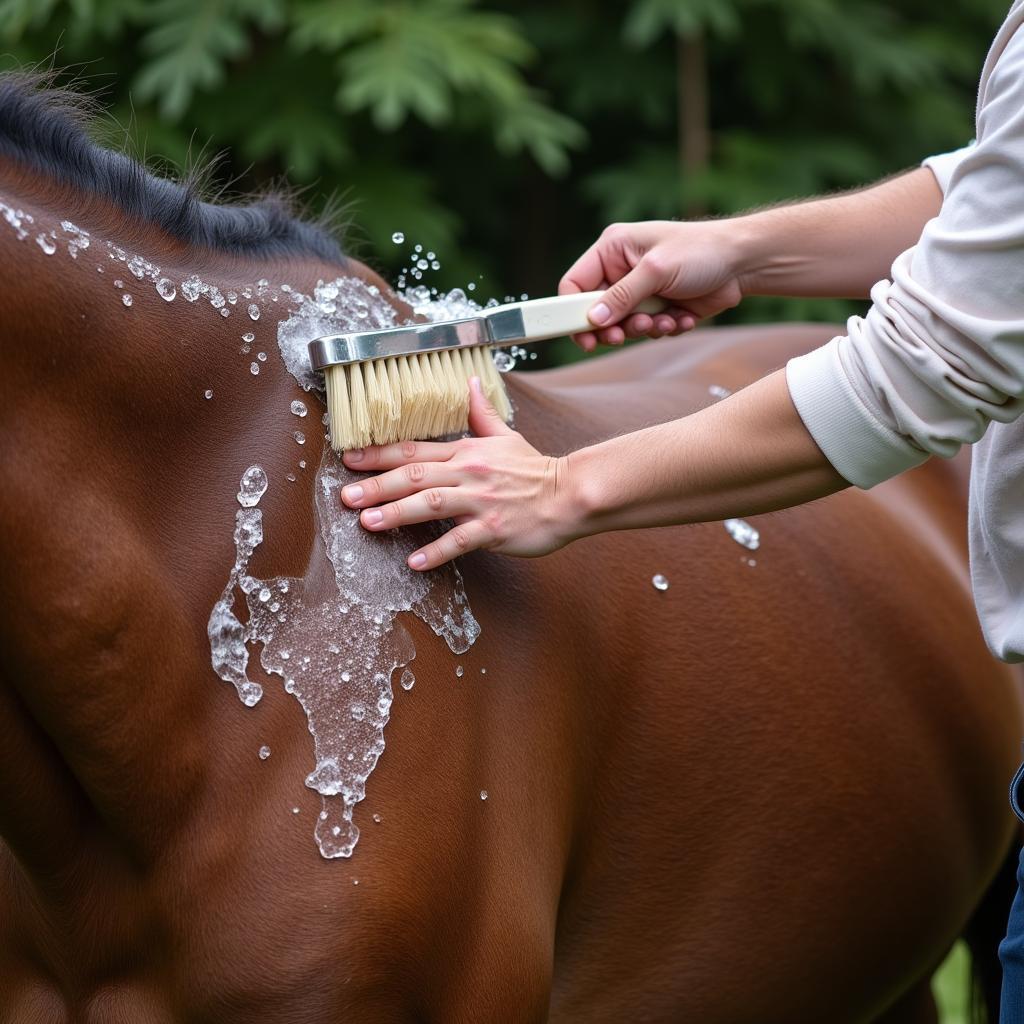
(694, 136)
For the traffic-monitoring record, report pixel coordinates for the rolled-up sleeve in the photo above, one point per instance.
(940, 353)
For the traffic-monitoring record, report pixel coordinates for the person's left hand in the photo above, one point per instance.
(503, 494)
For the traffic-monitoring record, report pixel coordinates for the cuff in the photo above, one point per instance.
(862, 449)
(942, 165)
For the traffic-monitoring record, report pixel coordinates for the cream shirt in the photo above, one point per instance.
(938, 361)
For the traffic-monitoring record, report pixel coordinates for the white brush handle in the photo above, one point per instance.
(566, 314)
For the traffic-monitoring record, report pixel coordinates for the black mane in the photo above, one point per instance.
(46, 128)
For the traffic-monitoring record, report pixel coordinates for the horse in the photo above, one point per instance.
(751, 773)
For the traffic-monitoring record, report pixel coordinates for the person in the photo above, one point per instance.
(937, 362)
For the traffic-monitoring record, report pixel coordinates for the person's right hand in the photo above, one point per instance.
(694, 265)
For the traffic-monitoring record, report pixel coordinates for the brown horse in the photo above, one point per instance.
(772, 792)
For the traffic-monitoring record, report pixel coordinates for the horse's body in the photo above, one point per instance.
(771, 793)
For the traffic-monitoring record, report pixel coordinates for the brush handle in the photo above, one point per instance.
(566, 314)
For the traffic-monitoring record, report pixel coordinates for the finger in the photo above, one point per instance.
(626, 294)
(612, 336)
(458, 541)
(484, 419)
(398, 483)
(389, 456)
(422, 507)
(586, 341)
(639, 324)
(585, 275)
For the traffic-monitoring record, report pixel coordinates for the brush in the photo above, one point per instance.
(407, 383)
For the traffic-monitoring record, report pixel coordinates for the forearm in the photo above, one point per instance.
(748, 454)
(835, 246)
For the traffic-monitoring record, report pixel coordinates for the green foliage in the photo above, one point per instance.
(505, 135)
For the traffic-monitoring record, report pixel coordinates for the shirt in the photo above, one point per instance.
(938, 361)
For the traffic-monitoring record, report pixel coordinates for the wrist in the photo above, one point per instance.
(582, 493)
(755, 256)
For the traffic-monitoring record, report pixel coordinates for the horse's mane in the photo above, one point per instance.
(47, 128)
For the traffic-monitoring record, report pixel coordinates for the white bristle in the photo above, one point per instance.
(409, 397)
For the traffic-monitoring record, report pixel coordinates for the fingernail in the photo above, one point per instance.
(354, 455)
(599, 314)
(372, 517)
(417, 561)
(353, 493)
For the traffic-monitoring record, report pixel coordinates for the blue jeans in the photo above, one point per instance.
(1011, 949)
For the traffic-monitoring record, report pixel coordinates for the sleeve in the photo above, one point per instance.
(940, 353)
(942, 165)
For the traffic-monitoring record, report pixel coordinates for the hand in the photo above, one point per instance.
(503, 494)
(694, 265)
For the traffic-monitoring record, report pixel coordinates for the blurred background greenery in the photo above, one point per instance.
(504, 136)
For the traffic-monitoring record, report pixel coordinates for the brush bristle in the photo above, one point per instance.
(409, 397)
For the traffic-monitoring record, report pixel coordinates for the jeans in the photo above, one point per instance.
(1011, 949)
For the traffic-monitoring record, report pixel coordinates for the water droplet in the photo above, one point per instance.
(291, 478)
(398, 238)
(289, 686)
(355, 881)
(253, 486)
(743, 533)
(264, 753)
(208, 393)
(503, 361)
(254, 368)
(300, 437)
(336, 830)
(660, 582)
(192, 287)
(165, 289)
(323, 815)
(459, 671)
(295, 810)
(261, 356)
(719, 392)
(254, 311)
(126, 299)
(358, 712)
(225, 311)
(483, 794)
(264, 595)
(118, 283)
(46, 244)
(408, 680)
(248, 337)
(346, 677)
(302, 463)
(483, 671)
(232, 297)
(299, 408)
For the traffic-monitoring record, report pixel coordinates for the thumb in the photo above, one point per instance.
(484, 419)
(623, 297)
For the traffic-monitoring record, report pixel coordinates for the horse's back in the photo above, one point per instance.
(799, 748)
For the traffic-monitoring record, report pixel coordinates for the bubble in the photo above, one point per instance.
(299, 408)
(254, 311)
(165, 289)
(248, 337)
(254, 368)
(398, 238)
(264, 595)
(208, 393)
(504, 362)
(261, 356)
(408, 680)
(659, 582)
(264, 752)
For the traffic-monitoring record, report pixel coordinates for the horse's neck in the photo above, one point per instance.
(119, 477)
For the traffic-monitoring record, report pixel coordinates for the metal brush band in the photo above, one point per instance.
(501, 327)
